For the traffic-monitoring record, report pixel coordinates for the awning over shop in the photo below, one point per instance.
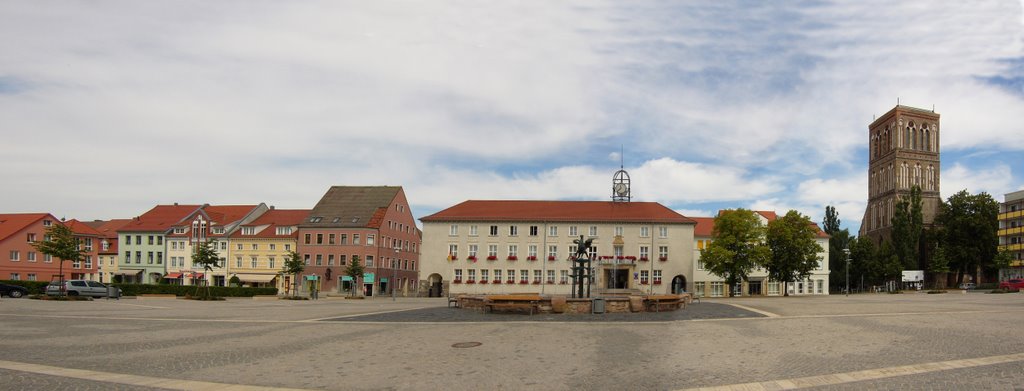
(128, 271)
(173, 275)
(194, 275)
(256, 277)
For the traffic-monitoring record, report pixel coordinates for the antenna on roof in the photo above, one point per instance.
(933, 107)
(621, 158)
(897, 101)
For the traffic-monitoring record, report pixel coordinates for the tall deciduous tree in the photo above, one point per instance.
(354, 271)
(938, 264)
(737, 246)
(60, 243)
(863, 254)
(794, 253)
(969, 225)
(206, 256)
(839, 240)
(293, 264)
(907, 228)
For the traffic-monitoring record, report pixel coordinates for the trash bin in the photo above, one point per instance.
(597, 306)
(113, 292)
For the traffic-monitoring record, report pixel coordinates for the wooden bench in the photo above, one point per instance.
(516, 302)
(656, 301)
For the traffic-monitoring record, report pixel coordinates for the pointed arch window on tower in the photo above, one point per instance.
(927, 140)
(906, 136)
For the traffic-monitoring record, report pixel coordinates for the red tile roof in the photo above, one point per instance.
(275, 218)
(109, 228)
(80, 228)
(582, 211)
(13, 223)
(160, 218)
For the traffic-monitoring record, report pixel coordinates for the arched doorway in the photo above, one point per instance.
(678, 284)
(436, 285)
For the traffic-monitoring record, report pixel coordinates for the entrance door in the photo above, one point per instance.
(678, 284)
(367, 289)
(616, 278)
(754, 287)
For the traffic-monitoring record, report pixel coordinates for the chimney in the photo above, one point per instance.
(175, 204)
(271, 207)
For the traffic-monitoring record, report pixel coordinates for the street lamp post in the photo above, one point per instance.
(847, 252)
(394, 272)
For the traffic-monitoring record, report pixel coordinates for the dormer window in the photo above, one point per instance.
(218, 230)
(315, 219)
(284, 230)
(47, 223)
(248, 230)
(179, 230)
(336, 220)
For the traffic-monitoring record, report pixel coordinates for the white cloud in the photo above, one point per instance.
(996, 180)
(130, 104)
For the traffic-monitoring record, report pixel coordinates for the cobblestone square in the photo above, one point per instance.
(874, 341)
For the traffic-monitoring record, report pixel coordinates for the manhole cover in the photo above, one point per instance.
(463, 345)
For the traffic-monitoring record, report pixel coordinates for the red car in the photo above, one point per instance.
(1011, 284)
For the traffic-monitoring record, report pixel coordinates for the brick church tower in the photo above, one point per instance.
(904, 151)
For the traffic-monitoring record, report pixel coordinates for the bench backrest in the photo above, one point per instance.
(514, 297)
(664, 297)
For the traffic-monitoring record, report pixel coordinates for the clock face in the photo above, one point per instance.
(620, 188)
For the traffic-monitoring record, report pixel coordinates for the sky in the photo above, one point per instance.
(108, 108)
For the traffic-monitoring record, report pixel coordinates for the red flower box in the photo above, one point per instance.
(483, 281)
(523, 282)
(657, 282)
(630, 257)
(457, 282)
(471, 258)
(551, 282)
(643, 283)
(536, 282)
(496, 282)
(470, 282)
(620, 257)
(643, 259)
(512, 258)
(563, 283)
(510, 282)
(531, 258)
(551, 258)
(663, 259)
(492, 257)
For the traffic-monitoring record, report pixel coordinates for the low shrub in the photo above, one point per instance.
(294, 298)
(190, 290)
(936, 291)
(60, 298)
(1004, 290)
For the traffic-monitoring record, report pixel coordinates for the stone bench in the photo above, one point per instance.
(513, 302)
(673, 302)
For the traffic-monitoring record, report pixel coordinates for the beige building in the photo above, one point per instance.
(758, 284)
(484, 247)
(262, 246)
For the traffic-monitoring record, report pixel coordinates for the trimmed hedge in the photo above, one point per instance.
(34, 287)
(183, 290)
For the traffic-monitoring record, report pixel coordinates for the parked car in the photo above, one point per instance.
(81, 288)
(12, 291)
(968, 285)
(1011, 284)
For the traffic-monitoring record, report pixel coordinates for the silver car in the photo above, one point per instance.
(84, 288)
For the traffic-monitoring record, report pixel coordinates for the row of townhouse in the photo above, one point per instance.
(373, 223)
(483, 247)
(19, 260)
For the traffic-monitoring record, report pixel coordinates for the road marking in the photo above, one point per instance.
(135, 380)
(870, 374)
(364, 314)
(751, 309)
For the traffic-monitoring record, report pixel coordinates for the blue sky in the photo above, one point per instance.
(111, 107)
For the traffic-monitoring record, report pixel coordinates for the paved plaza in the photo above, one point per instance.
(875, 341)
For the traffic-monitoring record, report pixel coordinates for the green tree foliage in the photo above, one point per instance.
(355, 271)
(938, 264)
(60, 243)
(969, 226)
(205, 255)
(839, 240)
(293, 264)
(863, 254)
(907, 228)
(886, 266)
(794, 252)
(737, 246)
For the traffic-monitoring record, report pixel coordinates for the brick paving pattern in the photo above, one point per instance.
(397, 345)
